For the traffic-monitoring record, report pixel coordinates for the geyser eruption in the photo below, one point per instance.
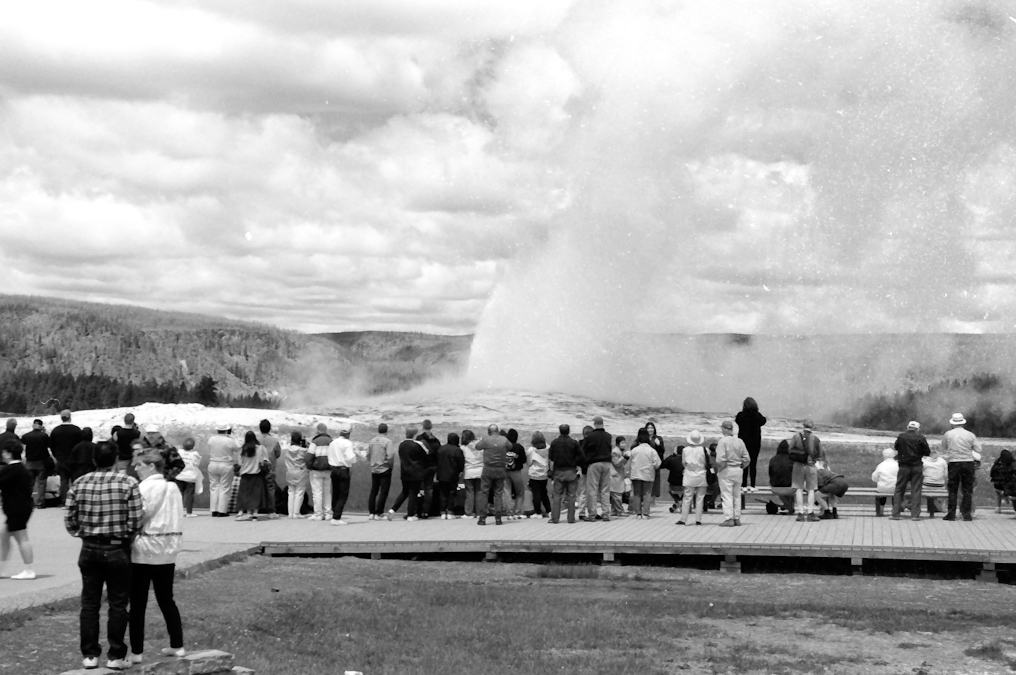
(790, 168)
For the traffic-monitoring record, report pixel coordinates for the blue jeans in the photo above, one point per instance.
(566, 486)
(495, 483)
(109, 565)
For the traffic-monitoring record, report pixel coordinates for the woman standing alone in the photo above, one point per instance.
(749, 429)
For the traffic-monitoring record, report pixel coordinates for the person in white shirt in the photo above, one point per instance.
(538, 456)
(732, 459)
(190, 481)
(884, 476)
(153, 556)
(223, 451)
(961, 449)
(342, 454)
(936, 469)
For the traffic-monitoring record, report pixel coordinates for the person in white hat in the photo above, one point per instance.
(961, 449)
(911, 449)
(696, 463)
(223, 453)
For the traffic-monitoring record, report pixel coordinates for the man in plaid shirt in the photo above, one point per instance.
(104, 509)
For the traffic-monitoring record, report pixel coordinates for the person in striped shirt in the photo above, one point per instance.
(104, 510)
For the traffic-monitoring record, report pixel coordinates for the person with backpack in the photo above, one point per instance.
(696, 466)
(805, 449)
(911, 449)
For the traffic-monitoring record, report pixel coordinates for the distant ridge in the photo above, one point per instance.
(93, 355)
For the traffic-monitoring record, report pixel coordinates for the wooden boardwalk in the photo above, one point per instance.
(857, 535)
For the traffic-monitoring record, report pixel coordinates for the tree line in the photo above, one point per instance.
(31, 392)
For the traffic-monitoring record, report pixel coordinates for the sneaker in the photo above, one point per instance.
(135, 658)
(699, 522)
(812, 518)
(370, 517)
(737, 522)
(90, 662)
(727, 523)
(243, 517)
(339, 522)
(413, 519)
(949, 518)
(638, 517)
(26, 575)
(680, 522)
(118, 664)
(497, 521)
(481, 521)
(673, 508)
(606, 519)
(313, 517)
(390, 515)
(801, 518)
(894, 518)
(170, 651)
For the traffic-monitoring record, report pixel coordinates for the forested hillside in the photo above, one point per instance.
(90, 355)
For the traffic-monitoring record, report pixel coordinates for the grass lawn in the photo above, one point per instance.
(294, 616)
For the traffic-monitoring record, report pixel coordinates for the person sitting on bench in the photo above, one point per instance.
(884, 476)
(781, 470)
(935, 470)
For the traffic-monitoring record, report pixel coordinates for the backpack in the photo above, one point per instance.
(800, 453)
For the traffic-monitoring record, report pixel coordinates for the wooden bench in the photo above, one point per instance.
(926, 493)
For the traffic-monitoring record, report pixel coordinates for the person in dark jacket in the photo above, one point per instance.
(911, 448)
(413, 460)
(674, 464)
(516, 462)
(1003, 478)
(37, 458)
(431, 444)
(154, 440)
(450, 464)
(831, 486)
(62, 440)
(16, 494)
(9, 433)
(781, 475)
(565, 459)
(749, 429)
(598, 448)
(661, 449)
(81, 456)
(124, 437)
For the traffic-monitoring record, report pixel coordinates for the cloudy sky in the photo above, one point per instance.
(440, 165)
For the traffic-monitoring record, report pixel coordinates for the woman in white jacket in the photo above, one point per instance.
(153, 555)
(884, 477)
(473, 459)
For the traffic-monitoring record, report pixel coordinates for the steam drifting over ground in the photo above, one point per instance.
(794, 168)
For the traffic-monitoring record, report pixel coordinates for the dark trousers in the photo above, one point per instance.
(564, 489)
(961, 474)
(410, 488)
(446, 490)
(489, 484)
(380, 484)
(109, 566)
(541, 500)
(911, 476)
(428, 491)
(751, 470)
(38, 485)
(160, 577)
(340, 490)
(66, 473)
(268, 503)
(187, 492)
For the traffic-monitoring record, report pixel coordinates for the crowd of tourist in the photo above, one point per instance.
(125, 496)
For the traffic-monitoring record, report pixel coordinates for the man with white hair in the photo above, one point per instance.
(961, 449)
(911, 449)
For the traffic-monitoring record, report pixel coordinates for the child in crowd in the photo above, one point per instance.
(936, 469)
(190, 481)
(674, 465)
(618, 464)
(884, 477)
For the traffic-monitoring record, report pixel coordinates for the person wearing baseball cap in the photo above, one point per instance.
(223, 454)
(911, 449)
(959, 447)
(731, 460)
